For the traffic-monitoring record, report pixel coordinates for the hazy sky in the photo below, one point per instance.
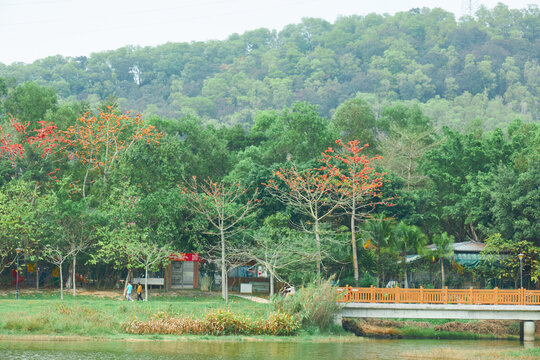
(33, 29)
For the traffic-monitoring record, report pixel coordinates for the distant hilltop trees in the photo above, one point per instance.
(483, 67)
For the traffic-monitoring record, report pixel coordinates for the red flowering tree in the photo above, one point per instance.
(313, 193)
(359, 184)
(99, 142)
(36, 154)
(32, 147)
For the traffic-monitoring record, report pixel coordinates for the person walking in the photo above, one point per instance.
(128, 291)
(139, 292)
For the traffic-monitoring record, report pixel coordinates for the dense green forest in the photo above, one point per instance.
(483, 68)
(451, 107)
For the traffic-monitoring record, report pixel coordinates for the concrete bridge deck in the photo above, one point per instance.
(525, 313)
(441, 311)
(473, 304)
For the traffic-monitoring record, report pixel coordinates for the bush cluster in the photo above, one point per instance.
(219, 322)
(313, 305)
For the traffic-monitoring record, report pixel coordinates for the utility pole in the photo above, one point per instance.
(469, 7)
(520, 256)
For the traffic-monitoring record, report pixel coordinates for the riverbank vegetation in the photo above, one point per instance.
(217, 323)
(433, 329)
(91, 315)
(107, 315)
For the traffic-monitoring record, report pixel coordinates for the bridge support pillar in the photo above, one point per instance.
(526, 331)
(338, 320)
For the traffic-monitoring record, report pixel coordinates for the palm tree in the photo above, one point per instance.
(378, 231)
(408, 238)
(443, 250)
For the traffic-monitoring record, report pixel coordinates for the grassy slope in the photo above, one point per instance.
(86, 315)
(43, 313)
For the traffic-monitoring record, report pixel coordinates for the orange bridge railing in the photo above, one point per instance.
(439, 296)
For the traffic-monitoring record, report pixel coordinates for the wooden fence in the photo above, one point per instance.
(439, 296)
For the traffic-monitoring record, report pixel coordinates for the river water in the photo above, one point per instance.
(199, 350)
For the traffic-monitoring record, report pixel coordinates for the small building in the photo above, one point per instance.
(252, 274)
(183, 271)
(466, 256)
(466, 253)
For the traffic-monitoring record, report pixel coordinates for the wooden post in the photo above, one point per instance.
(396, 296)
(446, 294)
(421, 294)
(196, 275)
(372, 294)
(470, 295)
(496, 292)
(167, 276)
(349, 288)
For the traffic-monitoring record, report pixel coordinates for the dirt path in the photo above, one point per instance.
(253, 298)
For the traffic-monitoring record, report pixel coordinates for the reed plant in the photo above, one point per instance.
(62, 319)
(314, 305)
(220, 322)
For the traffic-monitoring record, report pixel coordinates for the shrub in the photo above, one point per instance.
(365, 281)
(278, 323)
(224, 322)
(314, 305)
(163, 323)
(219, 322)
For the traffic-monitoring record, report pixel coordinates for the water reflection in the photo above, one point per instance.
(223, 350)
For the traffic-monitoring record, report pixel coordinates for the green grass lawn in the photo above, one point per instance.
(89, 315)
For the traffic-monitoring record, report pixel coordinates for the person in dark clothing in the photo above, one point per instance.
(139, 292)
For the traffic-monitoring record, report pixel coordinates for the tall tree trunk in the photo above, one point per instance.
(353, 242)
(409, 172)
(405, 275)
(74, 274)
(98, 278)
(475, 237)
(378, 252)
(318, 243)
(35, 191)
(84, 183)
(36, 270)
(145, 283)
(224, 281)
(271, 283)
(61, 282)
(442, 273)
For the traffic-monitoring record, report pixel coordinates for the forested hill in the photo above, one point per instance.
(486, 68)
